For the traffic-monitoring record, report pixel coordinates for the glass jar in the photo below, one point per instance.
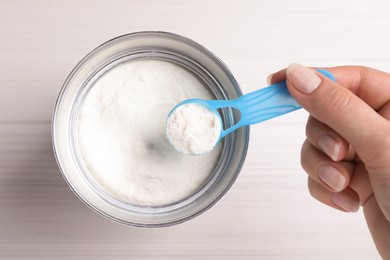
(147, 45)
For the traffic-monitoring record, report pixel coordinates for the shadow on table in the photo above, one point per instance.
(38, 207)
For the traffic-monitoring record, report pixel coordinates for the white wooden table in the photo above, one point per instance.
(268, 214)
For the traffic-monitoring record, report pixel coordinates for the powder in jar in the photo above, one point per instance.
(121, 137)
(193, 129)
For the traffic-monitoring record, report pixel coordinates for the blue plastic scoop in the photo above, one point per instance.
(255, 107)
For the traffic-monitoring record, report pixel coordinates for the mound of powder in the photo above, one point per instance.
(121, 133)
(193, 129)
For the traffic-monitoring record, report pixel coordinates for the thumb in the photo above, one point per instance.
(343, 111)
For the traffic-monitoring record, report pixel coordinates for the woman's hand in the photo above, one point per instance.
(347, 150)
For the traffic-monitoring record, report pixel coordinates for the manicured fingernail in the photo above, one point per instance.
(332, 177)
(269, 78)
(346, 202)
(329, 146)
(303, 79)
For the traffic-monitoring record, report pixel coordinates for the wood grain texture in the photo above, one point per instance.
(268, 214)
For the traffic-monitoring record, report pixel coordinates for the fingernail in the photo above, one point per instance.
(303, 79)
(329, 146)
(269, 78)
(346, 202)
(332, 177)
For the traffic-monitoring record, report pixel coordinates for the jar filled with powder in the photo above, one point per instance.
(108, 130)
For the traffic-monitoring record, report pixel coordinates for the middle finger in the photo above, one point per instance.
(335, 176)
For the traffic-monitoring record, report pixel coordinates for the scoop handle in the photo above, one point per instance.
(266, 103)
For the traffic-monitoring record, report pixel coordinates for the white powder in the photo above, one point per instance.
(121, 134)
(193, 129)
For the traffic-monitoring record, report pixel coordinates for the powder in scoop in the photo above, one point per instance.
(193, 129)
